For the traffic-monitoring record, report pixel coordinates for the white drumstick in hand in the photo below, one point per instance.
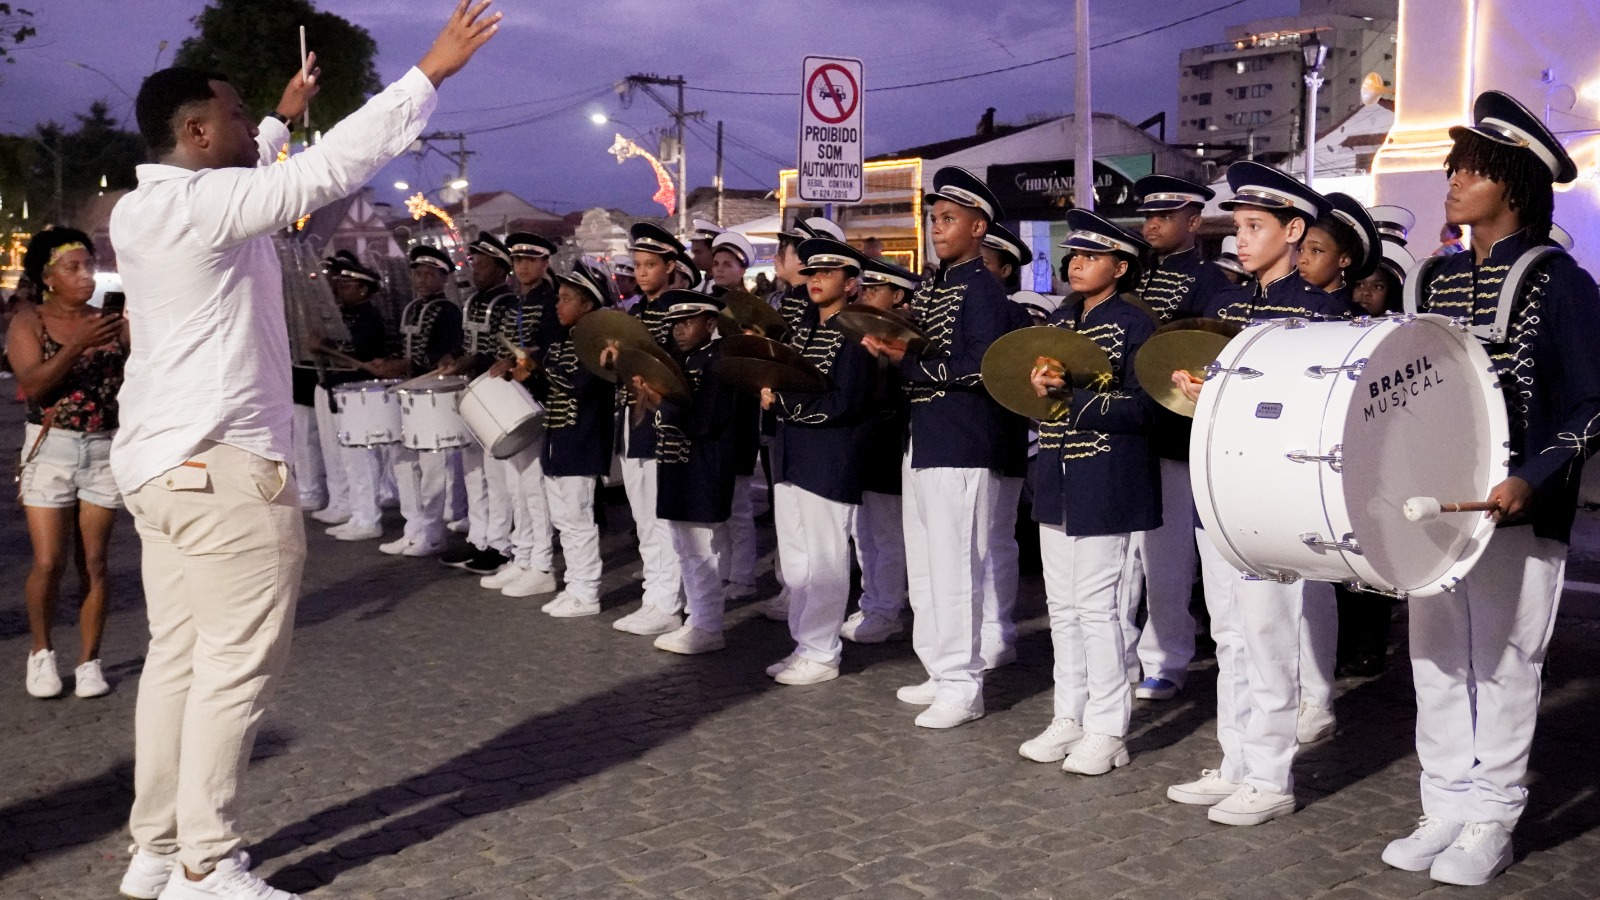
(1426, 509)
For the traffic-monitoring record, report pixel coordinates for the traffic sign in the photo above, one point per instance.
(830, 130)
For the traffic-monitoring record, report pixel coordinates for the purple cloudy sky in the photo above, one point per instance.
(552, 65)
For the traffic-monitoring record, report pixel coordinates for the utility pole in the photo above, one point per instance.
(1083, 118)
(719, 173)
(681, 116)
(426, 142)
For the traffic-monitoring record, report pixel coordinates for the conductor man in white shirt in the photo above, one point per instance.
(202, 459)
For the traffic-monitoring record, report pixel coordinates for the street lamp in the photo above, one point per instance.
(460, 184)
(1314, 53)
(402, 186)
(109, 80)
(598, 118)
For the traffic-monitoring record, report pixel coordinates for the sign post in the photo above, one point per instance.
(831, 96)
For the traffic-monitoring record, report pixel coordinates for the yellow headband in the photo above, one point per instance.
(63, 250)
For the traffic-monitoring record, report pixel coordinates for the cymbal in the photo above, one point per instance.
(1009, 363)
(658, 370)
(753, 346)
(1187, 344)
(859, 320)
(603, 327)
(751, 375)
(746, 310)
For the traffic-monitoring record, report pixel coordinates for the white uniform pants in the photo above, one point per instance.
(353, 472)
(739, 556)
(488, 500)
(945, 532)
(999, 630)
(1169, 559)
(531, 537)
(1268, 616)
(1220, 580)
(309, 472)
(881, 550)
(1083, 585)
(571, 503)
(419, 477)
(1476, 656)
(662, 576)
(695, 544)
(814, 545)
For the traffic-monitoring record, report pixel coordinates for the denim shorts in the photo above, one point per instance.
(71, 466)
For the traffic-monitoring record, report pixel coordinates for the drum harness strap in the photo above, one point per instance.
(1498, 332)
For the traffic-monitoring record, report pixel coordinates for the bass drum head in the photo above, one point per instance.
(1425, 420)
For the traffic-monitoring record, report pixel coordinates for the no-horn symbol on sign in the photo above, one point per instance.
(832, 93)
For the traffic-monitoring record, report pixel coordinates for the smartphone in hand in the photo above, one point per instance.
(114, 303)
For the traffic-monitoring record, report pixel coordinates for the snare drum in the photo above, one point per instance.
(368, 414)
(1309, 437)
(501, 415)
(430, 416)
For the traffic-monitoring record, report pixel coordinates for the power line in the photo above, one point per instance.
(517, 123)
(696, 129)
(1013, 68)
(585, 93)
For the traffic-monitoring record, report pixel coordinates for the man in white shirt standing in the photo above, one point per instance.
(203, 463)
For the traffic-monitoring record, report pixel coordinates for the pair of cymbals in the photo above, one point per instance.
(1187, 345)
(745, 313)
(660, 372)
(751, 363)
(1009, 363)
(858, 320)
(608, 328)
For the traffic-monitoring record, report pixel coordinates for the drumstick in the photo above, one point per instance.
(304, 74)
(343, 357)
(1425, 509)
(516, 351)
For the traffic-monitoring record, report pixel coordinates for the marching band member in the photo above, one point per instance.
(702, 234)
(816, 466)
(1096, 483)
(957, 434)
(1228, 261)
(354, 473)
(577, 443)
(655, 254)
(731, 254)
(694, 467)
(430, 330)
(1477, 651)
(879, 522)
(1256, 624)
(622, 279)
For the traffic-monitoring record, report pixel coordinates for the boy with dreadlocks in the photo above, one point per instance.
(1476, 652)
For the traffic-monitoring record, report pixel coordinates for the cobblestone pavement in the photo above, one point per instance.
(432, 740)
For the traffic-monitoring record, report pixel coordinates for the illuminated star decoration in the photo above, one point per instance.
(419, 206)
(624, 149)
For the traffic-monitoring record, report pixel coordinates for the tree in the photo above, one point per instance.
(30, 166)
(257, 45)
(15, 28)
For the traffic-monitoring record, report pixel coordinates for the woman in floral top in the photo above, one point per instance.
(68, 359)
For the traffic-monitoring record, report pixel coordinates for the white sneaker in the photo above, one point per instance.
(806, 671)
(506, 574)
(739, 590)
(1250, 806)
(396, 546)
(89, 680)
(231, 879)
(421, 547)
(147, 874)
(459, 526)
(648, 620)
(992, 660)
(1054, 743)
(777, 609)
(1209, 790)
(566, 606)
(1314, 723)
(1096, 754)
(690, 640)
(1417, 850)
(918, 694)
(43, 679)
(945, 715)
(1479, 853)
(780, 665)
(865, 628)
(529, 583)
(355, 531)
(328, 515)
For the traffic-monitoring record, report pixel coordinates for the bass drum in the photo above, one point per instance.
(1309, 437)
(501, 415)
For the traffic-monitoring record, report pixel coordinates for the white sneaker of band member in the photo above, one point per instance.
(231, 879)
(918, 694)
(494, 581)
(780, 665)
(147, 874)
(566, 606)
(945, 715)
(1054, 743)
(1417, 850)
(44, 681)
(648, 620)
(1250, 806)
(396, 546)
(89, 680)
(529, 583)
(355, 531)
(1209, 790)
(739, 590)
(1480, 852)
(459, 526)
(1314, 723)
(994, 659)
(1156, 689)
(865, 628)
(690, 640)
(330, 516)
(807, 671)
(424, 547)
(1096, 754)
(777, 609)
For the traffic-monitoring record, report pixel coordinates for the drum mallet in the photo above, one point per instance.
(1426, 509)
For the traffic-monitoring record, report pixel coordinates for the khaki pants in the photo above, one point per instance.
(224, 546)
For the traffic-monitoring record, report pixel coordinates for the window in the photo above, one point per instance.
(1201, 124)
(1203, 99)
(1203, 73)
(1258, 91)
(1263, 141)
(1254, 117)
(1253, 64)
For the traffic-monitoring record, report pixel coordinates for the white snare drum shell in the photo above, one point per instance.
(501, 415)
(430, 415)
(368, 415)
